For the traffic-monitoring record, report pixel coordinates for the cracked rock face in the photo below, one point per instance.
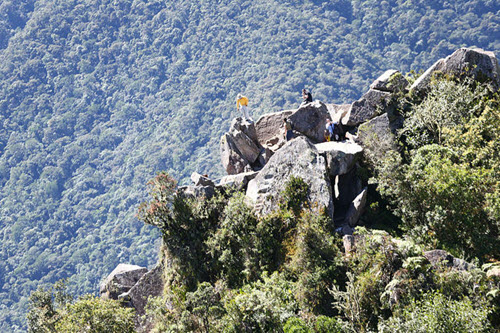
(372, 104)
(340, 156)
(120, 280)
(150, 285)
(391, 81)
(475, 63)
(310, 120)
(299, 158)
(232, 160)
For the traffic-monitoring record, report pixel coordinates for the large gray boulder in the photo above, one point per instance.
(120, 280)
(269, 128)
(377, 136)
(340, 156)
(198, 192)
(297, 158)
(237, 182)
(244, 137)
(391, 81)
(356, 209)
(150, 285)
(475, 63)
(244, 126)
(239, 147)
(201, 180)
(442, 259)
(310, 119)
(245, 146)
(232, 160)
(338, 111)
(372, 104)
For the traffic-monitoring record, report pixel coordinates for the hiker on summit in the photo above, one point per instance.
(242, 103)
(306, 97)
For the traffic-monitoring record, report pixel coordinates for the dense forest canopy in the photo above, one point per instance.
(97, 96)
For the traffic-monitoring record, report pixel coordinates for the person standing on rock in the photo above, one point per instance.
(306, 97)
(287, 123)
(242, 103)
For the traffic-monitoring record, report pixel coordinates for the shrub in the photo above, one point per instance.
(92, 314)
(52, 310)
(261, 306)
(294, 196)
(233, 245)
(327, 325)
(436, 313)
(314, 257)
(295, 325)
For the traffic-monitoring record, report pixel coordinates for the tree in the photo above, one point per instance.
(436, 313)
(92, 314)
(53, 310)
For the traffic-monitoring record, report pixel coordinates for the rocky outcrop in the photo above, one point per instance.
(249, 146)
(356, 209)
(120, 280)
(269, 129)
(310, 119)
(299, 158)
(340, 156)
(200, 180)
(442, 259)
(475, 63)
(377, 136)
(372, 104)
(149, 285)
(391, 81)
(238, 182)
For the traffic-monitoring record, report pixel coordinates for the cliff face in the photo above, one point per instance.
(259, 161)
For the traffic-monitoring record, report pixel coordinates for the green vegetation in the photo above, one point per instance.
(437, 314)
(296, 279)
(445, 185)
(53, 311)
(285, 272)
(96, 96)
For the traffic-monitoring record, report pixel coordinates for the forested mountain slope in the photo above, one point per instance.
(98, 96)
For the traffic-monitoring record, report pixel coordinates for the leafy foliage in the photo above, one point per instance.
(91, 314)
(390, 283)
(445, 185)
(436, 313)
(233, 291)
(52, 310)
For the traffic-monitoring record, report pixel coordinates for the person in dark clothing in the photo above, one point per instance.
(306, 97)
(288, 129)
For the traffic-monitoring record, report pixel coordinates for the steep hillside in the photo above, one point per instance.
(98, 96)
